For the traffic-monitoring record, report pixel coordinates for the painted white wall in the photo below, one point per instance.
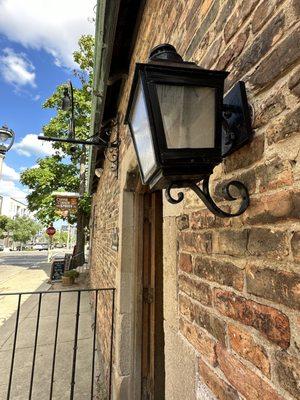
(12, 208)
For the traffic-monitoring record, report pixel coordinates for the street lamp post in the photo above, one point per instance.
(7, 137)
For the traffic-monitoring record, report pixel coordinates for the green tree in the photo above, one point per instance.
(41, 200)
(3, 225)
(60, 237)
(50, 174)
(22, 229)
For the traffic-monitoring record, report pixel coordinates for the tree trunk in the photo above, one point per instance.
(80, 237)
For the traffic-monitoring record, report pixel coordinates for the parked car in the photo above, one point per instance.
(1, 247)
(40, 246)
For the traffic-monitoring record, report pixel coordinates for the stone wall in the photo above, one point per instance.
(235, 294)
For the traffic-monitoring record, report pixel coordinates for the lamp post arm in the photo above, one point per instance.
(100, 142)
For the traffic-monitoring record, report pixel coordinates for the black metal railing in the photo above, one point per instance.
(38, 315)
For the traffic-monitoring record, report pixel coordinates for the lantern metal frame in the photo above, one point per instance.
(185, 167)
(173, 164)
(10, 134)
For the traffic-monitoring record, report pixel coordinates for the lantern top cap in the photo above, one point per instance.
(165, 52)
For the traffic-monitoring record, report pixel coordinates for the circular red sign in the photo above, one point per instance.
(51, 231)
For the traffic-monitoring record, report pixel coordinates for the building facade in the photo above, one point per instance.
(206, 308)
(12, 208)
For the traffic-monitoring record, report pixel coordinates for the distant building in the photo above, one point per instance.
(12, 208)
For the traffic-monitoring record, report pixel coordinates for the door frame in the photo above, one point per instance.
(152, 333)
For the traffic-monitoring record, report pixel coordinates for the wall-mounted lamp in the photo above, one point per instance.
(182, 128)
(68, 104)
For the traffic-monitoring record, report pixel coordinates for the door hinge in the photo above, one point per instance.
(148, 295)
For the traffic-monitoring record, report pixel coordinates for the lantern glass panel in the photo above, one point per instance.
(188, 114)
(4, 136)
(142, 133)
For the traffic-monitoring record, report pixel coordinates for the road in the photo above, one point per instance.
(26, 271)
(15, 263)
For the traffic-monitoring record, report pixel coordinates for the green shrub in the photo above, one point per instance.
(72, 273)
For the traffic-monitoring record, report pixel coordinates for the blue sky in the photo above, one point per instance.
(37, 39)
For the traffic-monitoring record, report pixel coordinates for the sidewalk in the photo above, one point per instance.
(21, 280)
(45, 348)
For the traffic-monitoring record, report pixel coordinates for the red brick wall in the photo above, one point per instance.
(238, 279)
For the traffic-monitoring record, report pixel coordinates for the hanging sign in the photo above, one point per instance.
(65, 203)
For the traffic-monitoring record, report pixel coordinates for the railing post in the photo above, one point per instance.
(94, 343)
(75, 347)
(14, 347)
(35, 344)
(55, 345)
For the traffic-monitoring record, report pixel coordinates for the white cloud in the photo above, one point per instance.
(31, 145)
(54, 26)
(9, 188)
(22, 169)
(9, 173)
(16, 68)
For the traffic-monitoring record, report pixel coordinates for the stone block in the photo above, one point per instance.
(221, 389)
(246, 156)
(238, 18)
(195, 242)
(269, 321)
(288, 373)
(249, 384)
(295, 244)
(274, 285)
(231, 242)
(294, 83)
(196, 289)
(185, 262)
(285, 127)
(264, 242)
(244, 344)
(280, 59)
(223, 272)
(200, 341)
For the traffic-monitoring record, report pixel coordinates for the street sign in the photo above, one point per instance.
(51, 231)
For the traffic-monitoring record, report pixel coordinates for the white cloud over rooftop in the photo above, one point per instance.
(9, 188)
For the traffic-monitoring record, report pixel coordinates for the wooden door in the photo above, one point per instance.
(152, 310)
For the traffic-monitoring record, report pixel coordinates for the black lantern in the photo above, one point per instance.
(7, 137)
(68, 104)
(181, 128)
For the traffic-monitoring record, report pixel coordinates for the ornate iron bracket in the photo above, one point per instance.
(204, 195)
(112, 153)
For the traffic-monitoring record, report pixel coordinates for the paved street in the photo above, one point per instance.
(21, 272)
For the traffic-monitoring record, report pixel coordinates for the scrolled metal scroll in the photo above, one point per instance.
(204, 195)
(172, 200)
